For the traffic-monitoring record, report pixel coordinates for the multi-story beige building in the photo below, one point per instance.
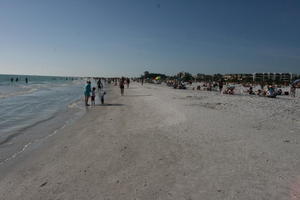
(260, 77)
(285, 77)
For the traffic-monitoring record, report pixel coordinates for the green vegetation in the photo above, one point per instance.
(260, 78)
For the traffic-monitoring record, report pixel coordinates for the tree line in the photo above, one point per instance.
(187, 77)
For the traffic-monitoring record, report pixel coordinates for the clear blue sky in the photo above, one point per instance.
(127, 37)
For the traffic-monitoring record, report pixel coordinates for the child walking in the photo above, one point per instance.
(102, 97)
(93, 96)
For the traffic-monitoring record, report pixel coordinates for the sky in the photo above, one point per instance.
(128, 37)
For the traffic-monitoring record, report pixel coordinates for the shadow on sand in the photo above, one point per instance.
(138, 95)
(110, 104)
(130, 88)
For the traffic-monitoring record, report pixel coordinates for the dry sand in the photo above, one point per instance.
(160, 143)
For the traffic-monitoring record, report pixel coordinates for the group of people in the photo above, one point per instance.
(270, 91)
(17, 79)
(90, 93)
(267, 91)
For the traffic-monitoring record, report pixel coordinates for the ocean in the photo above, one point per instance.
(33, 111)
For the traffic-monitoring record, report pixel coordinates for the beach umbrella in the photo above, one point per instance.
(157, 78)
(296, 83)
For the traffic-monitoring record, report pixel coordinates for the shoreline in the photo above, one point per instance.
(30, 118)
(29, 136)
(73, 112)
(23, 138)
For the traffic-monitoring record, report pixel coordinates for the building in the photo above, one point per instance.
(247, 77)
(277, 77)
(255, 77)
(258, 77)
(286, 77)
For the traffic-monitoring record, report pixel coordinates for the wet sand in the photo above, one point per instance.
(160, 143)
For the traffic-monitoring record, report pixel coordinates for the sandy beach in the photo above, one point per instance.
(159, 143)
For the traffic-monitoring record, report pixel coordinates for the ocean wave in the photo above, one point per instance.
(17, 93)
(76, 104)
(11, 90)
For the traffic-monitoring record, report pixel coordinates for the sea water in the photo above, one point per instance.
(31, 111)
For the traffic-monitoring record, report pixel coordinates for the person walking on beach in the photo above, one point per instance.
(221, 86)
(128, 82)
(293, 90)
(93, 97)
(11, 80)
(102, 94)
(122, 83)
(26, 80)
(99, 84)
(87, 92)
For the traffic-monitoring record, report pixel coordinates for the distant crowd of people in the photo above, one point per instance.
(17, 79)
(265, 90)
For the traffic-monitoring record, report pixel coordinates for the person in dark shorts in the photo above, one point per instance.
(122, 83)
(128, 82)
(221, 86)
(93, 96)
(99, 84)
(293, 91)
(102, 97)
